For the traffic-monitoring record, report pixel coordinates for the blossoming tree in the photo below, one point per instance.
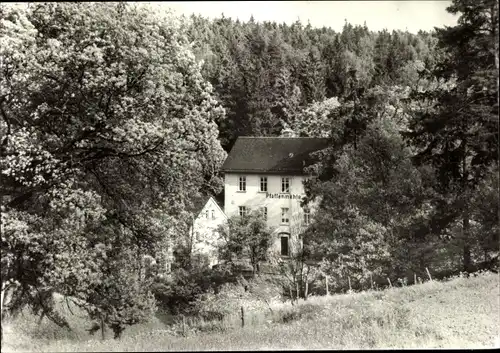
(107, 127)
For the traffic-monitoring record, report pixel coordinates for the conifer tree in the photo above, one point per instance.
(460, 136)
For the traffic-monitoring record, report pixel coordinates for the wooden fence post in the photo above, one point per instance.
(371, 281)
(389, 280)
(414, 278)
(326, 285)
(349, 279)
(428, 274)
(306, 290)
(102, 328)
(183, 325)
(242, 317)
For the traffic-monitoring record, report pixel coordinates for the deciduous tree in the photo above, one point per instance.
(107, 127)
(246, 237)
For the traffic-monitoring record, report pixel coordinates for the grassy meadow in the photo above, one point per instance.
(459, 313)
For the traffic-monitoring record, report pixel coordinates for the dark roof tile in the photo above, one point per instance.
(200, 201)
(272, 154)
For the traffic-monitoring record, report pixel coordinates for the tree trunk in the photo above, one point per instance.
(40, 319)
(494, 32)
(494, 23)
(466, 248)
(1, 314)
(6, 296)
(355, 139)
(465, 213)
(257, 267)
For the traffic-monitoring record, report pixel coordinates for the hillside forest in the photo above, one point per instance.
(115, 119)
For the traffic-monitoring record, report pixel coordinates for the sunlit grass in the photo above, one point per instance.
(461, 313)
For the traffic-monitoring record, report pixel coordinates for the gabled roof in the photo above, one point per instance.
(200, 205)
(272, 154)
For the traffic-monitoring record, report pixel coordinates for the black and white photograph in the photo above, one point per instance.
(249, 175)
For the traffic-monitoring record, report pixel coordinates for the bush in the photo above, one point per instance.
(304, 311)
(228, 301)
(256, 296)
(175, 293)
(178, 292)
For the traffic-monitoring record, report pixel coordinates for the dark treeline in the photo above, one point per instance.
(264, 73)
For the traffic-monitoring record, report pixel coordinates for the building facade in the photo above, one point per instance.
(203, 231)
(267, 174)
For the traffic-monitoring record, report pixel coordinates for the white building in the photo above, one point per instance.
(203, 230)
(267, 173)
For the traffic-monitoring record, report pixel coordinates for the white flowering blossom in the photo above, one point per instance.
(107, 129)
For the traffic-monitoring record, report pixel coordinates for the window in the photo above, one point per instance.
(284, 215)
(285, 185)
(284, 245)
(307, 216)
(213, 214)
(207, 213)
(264, 212)
(242, 210)
(263, 184)
(242, 184)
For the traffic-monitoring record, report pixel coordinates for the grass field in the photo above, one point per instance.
(460, 313)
